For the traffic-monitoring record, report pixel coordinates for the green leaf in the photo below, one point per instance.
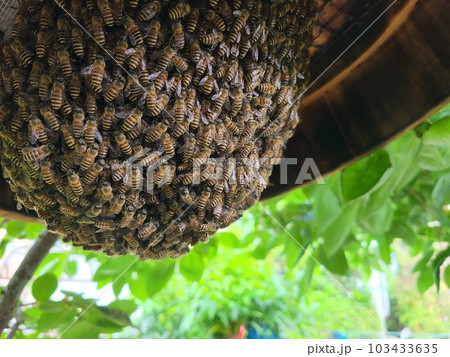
(54, 320)
(82, 330)
(325, 206)
(127, 306)
(400, 229)
(44, 286)
(404, 158)
(422, 263)
(192, 266)
(107, 319)
(441, 192)
(434, 158)
(138, 286)
(337, 232)
(438, 134)
(337, 263)
(15, 228)
(295, 243)
(378, 221)
(363, 176)
(447, 275)
(425, 280)
(71, 267)
(228, 239)
(307, 276)
(159, 275)
(260, 252)
(32, 230)
(436, 263)
(384, 244)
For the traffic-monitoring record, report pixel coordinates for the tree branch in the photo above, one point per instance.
(29, 264)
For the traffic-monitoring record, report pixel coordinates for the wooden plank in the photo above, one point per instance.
(397, 85)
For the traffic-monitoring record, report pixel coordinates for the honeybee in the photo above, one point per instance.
(211, 39)
(77, 41)
(133, 30)
(179, 10)
(17, 79)
(62, 30)
(114, 89)
(23, 53)
(123, 143)
(64, 60)
(156, 131)
(57, 94)
(150, 158)
(90, 103)
(94, 211)
(238, 24)
(159, 104)
(32, 154)
(136, 56)
(66, 130)
(78, 122)
(46, 17)
(94, 171)
(148, 11)
(47, 172)
(132, 119)
(97, 30)
(127, 216)
(120, 51)
(147, 230)
(231, 126)
(178, 35)
(216, 20)
(50, 119)
(35, 74)
(192, 20)
(153, 33)
(195, 51)
(168, 144)
(75, 182)
(207, 84)
(106, 224)
(97, 72)
(106, 11)
(38, 132)
(118, 170)
(165, 58)
(108, 116)
(201, 203)
(91, 131)
(89, 157)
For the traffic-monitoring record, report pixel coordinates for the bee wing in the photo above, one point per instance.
(203, 80)
(130, 51)
(141, 100)
(123, 113)
(153, 76)
(87, 70)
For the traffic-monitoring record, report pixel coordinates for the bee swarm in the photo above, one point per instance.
(88, 86)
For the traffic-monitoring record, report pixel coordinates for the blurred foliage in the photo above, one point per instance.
(258, 271)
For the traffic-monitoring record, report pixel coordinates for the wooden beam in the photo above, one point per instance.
(368, 100)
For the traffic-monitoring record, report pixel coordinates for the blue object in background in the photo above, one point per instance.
(339, 336)
(262, 332)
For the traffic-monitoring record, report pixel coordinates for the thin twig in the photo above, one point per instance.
(29, 264)
(19, 321)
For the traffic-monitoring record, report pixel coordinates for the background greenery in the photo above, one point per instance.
(392, 205)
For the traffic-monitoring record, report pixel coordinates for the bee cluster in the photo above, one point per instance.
(87, 85)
